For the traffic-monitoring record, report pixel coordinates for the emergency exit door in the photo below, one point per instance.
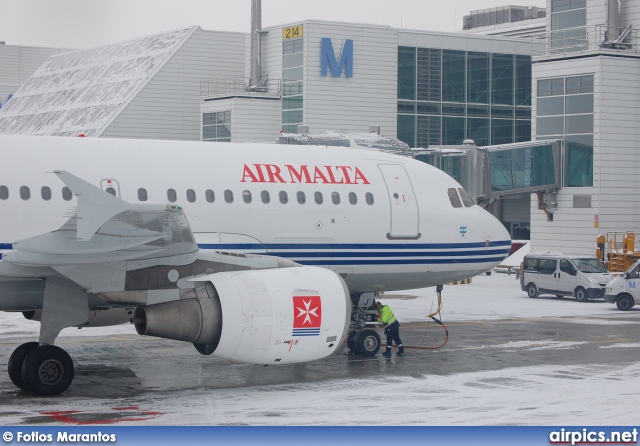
(404, 207)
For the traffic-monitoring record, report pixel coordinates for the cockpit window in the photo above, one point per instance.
(466, 199)
(454, 198)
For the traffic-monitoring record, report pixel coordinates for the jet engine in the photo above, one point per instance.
(282, 315)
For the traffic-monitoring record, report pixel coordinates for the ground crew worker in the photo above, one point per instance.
(391, 329)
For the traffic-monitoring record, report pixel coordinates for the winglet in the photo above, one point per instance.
(95, 206)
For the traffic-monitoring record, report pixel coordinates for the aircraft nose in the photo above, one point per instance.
(494, 229)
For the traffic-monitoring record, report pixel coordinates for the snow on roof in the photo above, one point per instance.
(83, 91)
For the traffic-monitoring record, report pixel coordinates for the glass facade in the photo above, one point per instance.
(292, 83)
(216, 126)
(565, 110)
(568, 25)
(447, 96)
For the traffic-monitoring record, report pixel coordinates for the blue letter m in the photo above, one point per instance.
(328, 58)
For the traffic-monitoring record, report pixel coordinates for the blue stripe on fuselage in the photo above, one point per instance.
(383, 250)
(386, 246)
(388, 254)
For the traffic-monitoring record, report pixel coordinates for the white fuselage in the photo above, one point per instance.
(395, 226)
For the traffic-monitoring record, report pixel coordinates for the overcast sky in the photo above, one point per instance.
(88, 23)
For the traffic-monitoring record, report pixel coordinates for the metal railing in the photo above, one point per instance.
(586, 39)
(241, 85)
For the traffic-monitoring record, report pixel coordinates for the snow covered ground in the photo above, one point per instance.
(585, 394)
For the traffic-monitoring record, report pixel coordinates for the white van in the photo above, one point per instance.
(624, 290)
(584, 277)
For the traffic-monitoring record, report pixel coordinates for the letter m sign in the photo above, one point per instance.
(328, 58)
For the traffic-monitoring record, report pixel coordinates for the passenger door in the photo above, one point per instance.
(404, 222)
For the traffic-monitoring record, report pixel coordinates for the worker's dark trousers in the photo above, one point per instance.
(393, 335)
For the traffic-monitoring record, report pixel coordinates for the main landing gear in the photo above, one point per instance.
(41, 367)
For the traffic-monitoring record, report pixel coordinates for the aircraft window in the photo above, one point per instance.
(111, 190)
(246, 196)
(45, 192)
(209, 196)
(302, 199)
(228, 196)
(25, 193)
(284, 198)
(4, 192)
(66, 194)
(142, 194)
(335, 197)
(466, 199)
(454, 198)
(369, 197)
(318, 197)
(171, 195)
(191, 195)
(353, 198)
(266, 198)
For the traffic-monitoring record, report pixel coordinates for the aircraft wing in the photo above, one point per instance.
(106, 229)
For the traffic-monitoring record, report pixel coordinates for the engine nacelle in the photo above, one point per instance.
(282, 315)
(97, 317)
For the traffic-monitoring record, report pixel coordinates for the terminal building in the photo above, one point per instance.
(565, 73)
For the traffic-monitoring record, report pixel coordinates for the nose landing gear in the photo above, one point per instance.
(365, 343)
(363, 340)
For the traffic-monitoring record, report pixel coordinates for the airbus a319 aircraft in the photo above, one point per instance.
(258, 253)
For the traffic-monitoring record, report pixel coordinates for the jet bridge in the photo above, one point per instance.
(487, 173)
(492, 172)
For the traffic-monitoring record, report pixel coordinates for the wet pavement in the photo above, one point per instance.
(120, 379)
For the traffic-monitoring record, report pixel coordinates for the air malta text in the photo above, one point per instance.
(272, 173)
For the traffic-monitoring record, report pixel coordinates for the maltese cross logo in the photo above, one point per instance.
(307, 317)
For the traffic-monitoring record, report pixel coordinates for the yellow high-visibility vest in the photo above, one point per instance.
(386, 315)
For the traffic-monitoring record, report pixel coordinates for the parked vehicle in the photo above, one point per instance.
(624, 290)
(584, 277)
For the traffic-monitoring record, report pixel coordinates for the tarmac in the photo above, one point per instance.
(124, 378)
